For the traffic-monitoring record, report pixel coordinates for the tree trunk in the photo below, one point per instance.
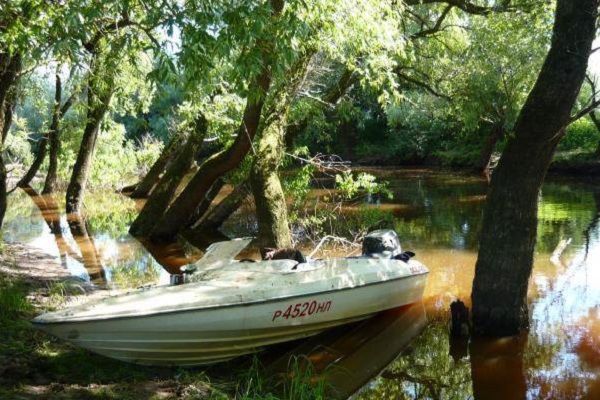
(180, 212)
(146, 185)
(43, 144)
(54, 136)
(217, 216)
(507, 240)
(166, 189)
(40, 156)
(271, 209)
(485, 156)
(99, 92)
(10, 66)
(208, 200)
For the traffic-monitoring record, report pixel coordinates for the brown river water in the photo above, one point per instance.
(404, 353)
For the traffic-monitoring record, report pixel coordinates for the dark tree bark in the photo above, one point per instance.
(217, 216)
(144, 188)
(208, 200)
(10, 67)
(180, 212)
(100, 89)
(166, 189)
(54, 137)
(507, 240)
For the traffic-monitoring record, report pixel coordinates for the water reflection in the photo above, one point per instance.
(348, 357)
(437, 215)
(97, 248)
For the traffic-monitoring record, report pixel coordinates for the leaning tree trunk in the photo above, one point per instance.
(204, 206)
(507, 240)
(40, 156)
(215, 217)
(166, 189)
(271, 209)
(143, 189)
(99, 92)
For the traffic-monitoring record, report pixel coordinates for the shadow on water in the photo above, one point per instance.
(437, 215)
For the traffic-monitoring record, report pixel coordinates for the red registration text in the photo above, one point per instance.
(300, 310)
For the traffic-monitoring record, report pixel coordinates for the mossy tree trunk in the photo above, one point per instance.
(508, 236)
(271, 208)
(100, 88)
(144, 188)
(166, 188)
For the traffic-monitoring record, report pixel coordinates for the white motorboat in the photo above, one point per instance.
(229, 308)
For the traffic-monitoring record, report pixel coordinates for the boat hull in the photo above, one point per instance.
(210, 335)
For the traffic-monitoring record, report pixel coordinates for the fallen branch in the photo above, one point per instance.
(335, 239)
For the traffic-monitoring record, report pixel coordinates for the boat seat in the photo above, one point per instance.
(269, 253)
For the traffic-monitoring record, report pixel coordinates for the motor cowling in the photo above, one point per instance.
(382, 241)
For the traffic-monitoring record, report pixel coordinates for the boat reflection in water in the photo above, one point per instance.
(348, 357)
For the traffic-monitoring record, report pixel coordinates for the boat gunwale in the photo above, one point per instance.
(229, 305)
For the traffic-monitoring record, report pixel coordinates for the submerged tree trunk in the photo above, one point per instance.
(217, 216)
(100, 89)
(208, 200)
(166, 189)
(507, 240)
(144, 188)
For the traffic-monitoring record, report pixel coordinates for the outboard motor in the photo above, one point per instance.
(382, 241)
(385, 243)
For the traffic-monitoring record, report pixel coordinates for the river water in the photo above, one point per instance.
(403, 353)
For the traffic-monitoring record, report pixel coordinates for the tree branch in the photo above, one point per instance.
(436, 28)
(466, 5)
(421, 84)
